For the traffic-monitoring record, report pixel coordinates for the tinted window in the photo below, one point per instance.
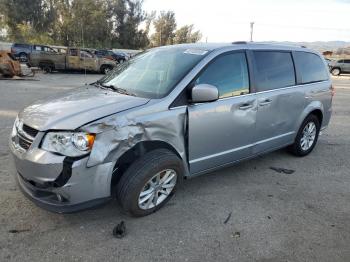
(347, 61)
(229, 73)
(340, 61)
(273, 70)
(311, 67)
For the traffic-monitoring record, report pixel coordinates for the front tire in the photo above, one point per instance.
(23, 57)
(105, 69)
(335, 71)
(307, 136)
(150, 182)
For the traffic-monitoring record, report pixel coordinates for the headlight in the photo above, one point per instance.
(68, 143)
(15, 127)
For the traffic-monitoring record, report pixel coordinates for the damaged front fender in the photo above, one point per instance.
(116, 134)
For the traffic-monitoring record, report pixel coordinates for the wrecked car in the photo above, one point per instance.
(169, 113)
(73, 59)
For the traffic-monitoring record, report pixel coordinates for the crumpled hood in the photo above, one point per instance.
(76, 108)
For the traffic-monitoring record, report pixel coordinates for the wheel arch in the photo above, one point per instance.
(137, 151)
(106, 66)
(47, 62)
(316, 108)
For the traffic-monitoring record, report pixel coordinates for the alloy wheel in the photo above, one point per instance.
(157, 189)
(308, 138)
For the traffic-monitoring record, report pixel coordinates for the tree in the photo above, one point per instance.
(126, 16)
(92, 23)
(34, 18)
(83, 22)
(164, 26)
(185, 34)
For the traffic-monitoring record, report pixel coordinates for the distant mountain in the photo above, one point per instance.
(320, 46)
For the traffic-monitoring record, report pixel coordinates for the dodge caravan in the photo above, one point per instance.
(169, 113)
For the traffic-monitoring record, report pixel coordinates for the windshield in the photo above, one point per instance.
(154, 73)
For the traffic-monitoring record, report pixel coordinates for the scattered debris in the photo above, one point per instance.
(119, 231)
(228, 218)
(10, 68)
(268, 217)
(14, 231)
(237, 234)
(282, 170)
(270, 195)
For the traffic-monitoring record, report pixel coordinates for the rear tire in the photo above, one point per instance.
(138, 191)
(47, 68)
(307, 136)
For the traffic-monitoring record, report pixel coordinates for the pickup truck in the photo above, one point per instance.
(75, 59)
(22, 51)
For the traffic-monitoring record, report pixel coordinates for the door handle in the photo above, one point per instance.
(265, 102)
(245, 106)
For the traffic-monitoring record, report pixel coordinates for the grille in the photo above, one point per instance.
(29, 130)
(25, 144)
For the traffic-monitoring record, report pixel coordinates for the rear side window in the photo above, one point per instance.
(273, 70)
(310, 67)
(229, 73)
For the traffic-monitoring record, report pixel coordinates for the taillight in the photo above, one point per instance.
(332, 90)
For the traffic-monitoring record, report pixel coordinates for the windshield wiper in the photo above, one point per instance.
(114, 88)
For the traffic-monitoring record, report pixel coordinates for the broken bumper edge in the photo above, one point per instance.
(49, 204)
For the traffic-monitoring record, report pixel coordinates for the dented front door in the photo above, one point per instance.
(223, 131)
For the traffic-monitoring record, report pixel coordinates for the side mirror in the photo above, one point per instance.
(204, 93)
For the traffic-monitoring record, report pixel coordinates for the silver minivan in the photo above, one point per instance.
(169, 113)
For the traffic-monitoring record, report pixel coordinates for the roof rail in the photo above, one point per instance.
(239, 42)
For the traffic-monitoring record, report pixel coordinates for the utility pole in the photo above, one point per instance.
(251, 31)
(160, 36)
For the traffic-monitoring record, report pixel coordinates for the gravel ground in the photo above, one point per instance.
(244, 213)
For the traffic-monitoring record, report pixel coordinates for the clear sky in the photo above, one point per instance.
(279, 20)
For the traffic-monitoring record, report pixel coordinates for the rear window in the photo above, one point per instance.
(311, 67)
(274, 70)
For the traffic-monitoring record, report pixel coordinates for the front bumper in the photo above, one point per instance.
(48, 200)
(61, 184)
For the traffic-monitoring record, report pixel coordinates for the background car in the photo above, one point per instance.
(109, 54)
(340, 67)
(21, 51)
(122, 56)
